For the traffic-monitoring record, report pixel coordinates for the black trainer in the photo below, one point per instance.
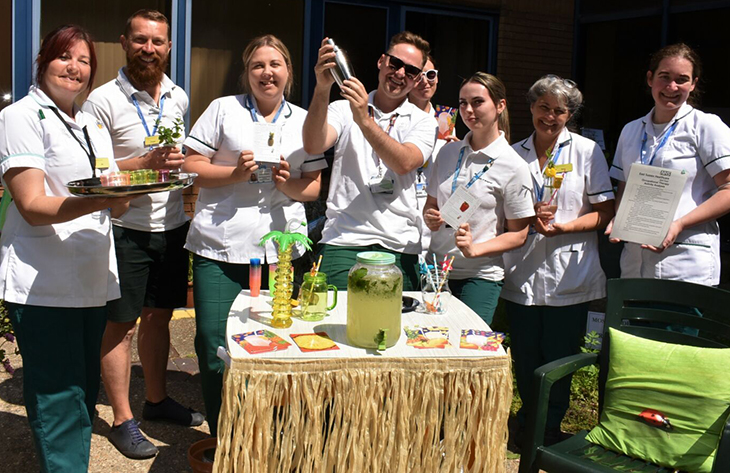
(172, 411)
(130, 442)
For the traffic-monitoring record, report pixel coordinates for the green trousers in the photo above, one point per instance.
(61, 349)
(479, 295)
(216, 285)
(337, 261)
(539, 335)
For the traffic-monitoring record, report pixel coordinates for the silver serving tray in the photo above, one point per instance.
(93, 187)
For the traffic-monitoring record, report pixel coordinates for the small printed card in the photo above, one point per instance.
(460, 207)
(260, 341)
(446, 117)
(318, 341)
(481, 340)
(266, 143)
(427, 337)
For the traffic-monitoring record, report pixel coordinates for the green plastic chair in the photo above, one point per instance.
(645, 308)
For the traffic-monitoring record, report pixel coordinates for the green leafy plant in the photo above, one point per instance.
(583, 412)
(169, 136)
(190, 267)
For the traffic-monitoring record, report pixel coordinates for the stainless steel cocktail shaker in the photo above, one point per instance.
(343, 69)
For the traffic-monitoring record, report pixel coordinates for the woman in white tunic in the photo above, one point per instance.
(57, 262)
(550, 281)
(675, 135)
(240, 200)
(484, 166)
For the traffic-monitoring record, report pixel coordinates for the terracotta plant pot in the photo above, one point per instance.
(195, 455)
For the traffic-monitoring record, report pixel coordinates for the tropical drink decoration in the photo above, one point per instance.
(553, 176)
(283, 284)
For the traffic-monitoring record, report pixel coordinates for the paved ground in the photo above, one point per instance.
(183, 384)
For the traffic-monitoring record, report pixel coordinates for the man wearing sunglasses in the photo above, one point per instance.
(380, 140)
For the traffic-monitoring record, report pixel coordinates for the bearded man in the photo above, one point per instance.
(149, 238)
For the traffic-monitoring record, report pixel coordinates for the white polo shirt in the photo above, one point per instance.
(563, 269)
(68, 264)
(112, 104)
(700, 146)
(230, 220)
(504, 191)
(356, 216)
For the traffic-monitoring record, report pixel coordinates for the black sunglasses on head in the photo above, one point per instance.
(412, 72)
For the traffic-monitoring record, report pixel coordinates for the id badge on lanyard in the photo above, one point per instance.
(381, 183)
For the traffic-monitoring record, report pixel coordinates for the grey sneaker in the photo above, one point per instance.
(172, 411)
(130, 442)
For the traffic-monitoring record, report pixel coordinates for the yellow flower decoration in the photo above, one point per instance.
(550, 172)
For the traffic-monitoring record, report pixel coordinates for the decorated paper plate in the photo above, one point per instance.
(94, 187)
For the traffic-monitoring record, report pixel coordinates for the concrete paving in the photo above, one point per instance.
(183, 382)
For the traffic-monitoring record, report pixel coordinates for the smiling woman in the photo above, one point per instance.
(56, 249)
(558, 272)
(482, 169)
(243, 194)
(676, 135)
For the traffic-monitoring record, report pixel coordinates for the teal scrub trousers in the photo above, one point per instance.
(216, 286)
(539, 335)
(337, 261)
(61, 350)
(479, 295)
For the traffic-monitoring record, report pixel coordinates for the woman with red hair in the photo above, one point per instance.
(56, 251)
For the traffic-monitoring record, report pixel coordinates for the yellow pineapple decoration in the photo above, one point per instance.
(283, 282)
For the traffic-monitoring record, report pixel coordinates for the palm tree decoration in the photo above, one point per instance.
(283, 282)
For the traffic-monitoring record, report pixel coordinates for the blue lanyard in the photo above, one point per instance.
(144, 121)
(667, 134)
(486, 167)
(540, 191)
(251, 110)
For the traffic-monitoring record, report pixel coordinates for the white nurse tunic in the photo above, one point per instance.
(68, 264)
(699, 145)
(564, 269)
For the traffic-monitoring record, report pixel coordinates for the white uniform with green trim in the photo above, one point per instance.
(564, 269)
(700, 146)
(230, 220)
(68, 264)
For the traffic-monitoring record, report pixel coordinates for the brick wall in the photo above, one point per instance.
(190, 195)
(535, 38)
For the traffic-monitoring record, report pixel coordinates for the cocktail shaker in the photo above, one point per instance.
(343, 69)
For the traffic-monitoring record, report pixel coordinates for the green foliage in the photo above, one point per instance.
(583, 411)
(169, 136)
(190, 266)
(6, 331)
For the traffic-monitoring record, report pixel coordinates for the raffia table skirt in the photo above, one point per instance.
(365, 415)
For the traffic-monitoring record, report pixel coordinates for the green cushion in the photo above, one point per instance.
(688, 385)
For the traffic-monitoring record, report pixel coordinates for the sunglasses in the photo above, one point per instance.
(566, 82)
(412, 72)
(431, 75)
